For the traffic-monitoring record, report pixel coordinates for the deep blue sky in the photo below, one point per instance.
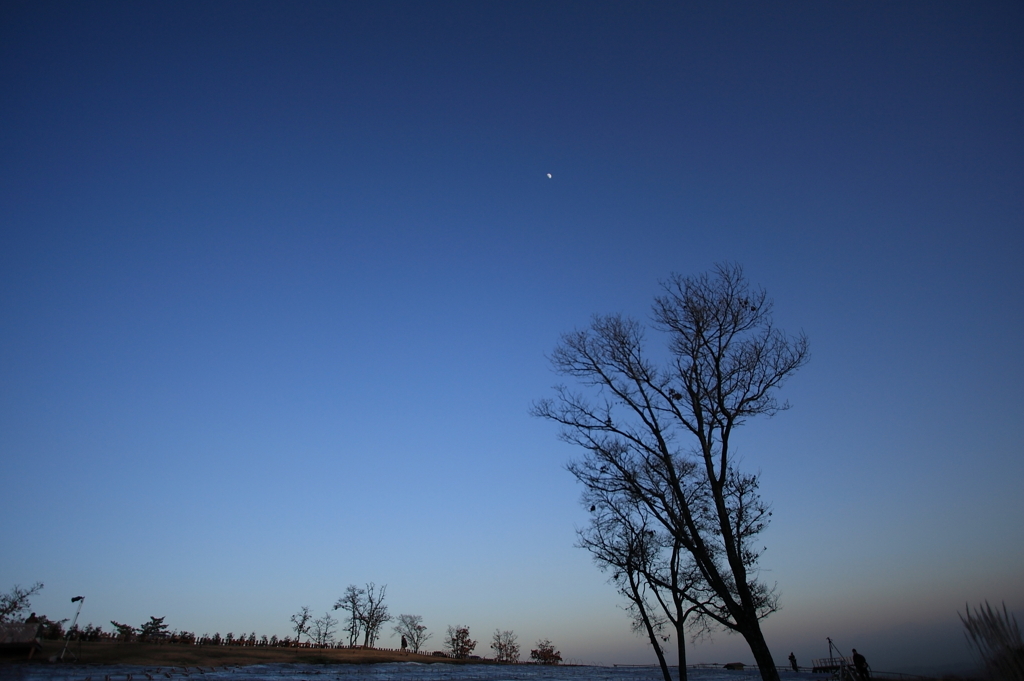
(277, 283)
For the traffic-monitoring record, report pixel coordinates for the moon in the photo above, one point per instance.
(549, 176)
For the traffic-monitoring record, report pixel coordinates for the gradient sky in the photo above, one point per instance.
(278, 282)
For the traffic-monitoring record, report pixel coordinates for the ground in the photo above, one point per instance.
(218, 656)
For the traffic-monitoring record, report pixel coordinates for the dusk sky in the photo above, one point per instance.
(279, 281)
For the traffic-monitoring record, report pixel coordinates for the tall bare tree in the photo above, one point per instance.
(375, 613)
(367, 612)
(352, 602)
(725, 361)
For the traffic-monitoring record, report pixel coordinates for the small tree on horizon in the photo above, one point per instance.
(458, 642)
(505, 645)
(411, 627)
(323, 630)
(125, 632)
(153, 629)
(545, 653)
(92, 633)
(300, 623)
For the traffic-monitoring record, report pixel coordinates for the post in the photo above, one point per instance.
(67, 637)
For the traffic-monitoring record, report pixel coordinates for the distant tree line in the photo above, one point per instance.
(366, 613)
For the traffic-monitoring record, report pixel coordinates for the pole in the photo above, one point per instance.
(67, 637)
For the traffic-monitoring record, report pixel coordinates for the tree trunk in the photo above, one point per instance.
(661, 655)
(681, 645)
(762, 656)
(654, 642)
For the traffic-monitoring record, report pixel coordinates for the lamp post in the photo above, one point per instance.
(67, 638)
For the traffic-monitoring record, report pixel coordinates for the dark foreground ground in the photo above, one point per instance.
(169, 655)
(110, 661)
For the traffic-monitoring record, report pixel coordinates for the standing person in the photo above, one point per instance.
(405, 644)
(792, 661)
(861, 665)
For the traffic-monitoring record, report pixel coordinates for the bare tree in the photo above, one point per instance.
(458, 642)
(367, 612)
(300, 623)
(726, 361)
(412, 629)
(505, 645)
(650, 569)
(353, 602)
(323, 630)
(375, 613)
(15, 602)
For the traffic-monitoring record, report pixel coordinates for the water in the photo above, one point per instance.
(400, 671)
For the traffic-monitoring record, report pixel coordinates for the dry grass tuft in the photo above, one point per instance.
(996, 637)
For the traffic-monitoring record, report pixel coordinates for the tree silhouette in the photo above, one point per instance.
(458, 642)
(300, 623)
(725, 361)
(15, 603)
(545, 653)
(411, 627)
(505, 645)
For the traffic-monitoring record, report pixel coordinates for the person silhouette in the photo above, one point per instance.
(792, 661)
(405, 644)
(861, 665)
